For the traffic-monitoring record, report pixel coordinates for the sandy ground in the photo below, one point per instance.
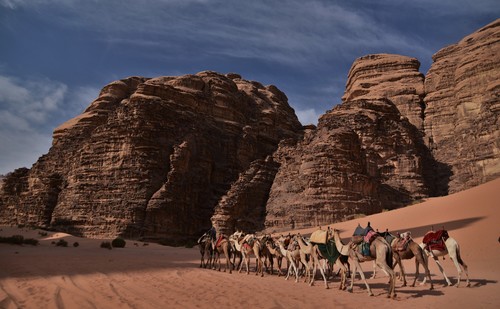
(154, 276)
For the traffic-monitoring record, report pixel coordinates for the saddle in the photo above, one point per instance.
(436, 240)
(402, 244)
(319, 237)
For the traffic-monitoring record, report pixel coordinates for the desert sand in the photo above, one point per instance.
(154, 276)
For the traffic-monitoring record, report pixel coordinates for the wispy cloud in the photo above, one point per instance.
(290, 32)
(29, 108)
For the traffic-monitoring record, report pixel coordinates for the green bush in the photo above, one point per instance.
(118, 242)
(106, 244)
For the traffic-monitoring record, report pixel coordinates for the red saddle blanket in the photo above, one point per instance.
(221, 238)
(436, 240)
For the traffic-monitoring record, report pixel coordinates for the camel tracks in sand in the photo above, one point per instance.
(58, 299)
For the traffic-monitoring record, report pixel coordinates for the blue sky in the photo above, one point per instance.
(55, 55)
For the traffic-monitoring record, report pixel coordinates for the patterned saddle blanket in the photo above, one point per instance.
(436, 240)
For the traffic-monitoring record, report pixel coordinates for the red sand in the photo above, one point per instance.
(155, 276)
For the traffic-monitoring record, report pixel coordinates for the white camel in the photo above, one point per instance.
(453, 251)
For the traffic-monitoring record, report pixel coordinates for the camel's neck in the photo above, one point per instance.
(341, 247)
(282, 248)
(306, 248)
(237, 244)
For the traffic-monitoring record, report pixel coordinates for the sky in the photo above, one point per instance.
(56, 55)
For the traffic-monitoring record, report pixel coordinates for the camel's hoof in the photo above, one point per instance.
(468, 285)
(432, 288)
(370, 294)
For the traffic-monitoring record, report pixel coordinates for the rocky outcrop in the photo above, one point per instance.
(463, 106)
(152, 157)
(392, 77)
(362, 158)
(162, 157)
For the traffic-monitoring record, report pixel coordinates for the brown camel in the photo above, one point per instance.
(409, 250)
(380, 251)
(275, 253)
(206, 250)
(223, 246)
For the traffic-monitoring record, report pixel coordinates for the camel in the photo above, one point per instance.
(409, 251)
(292, 255)
(275, 252)
(305, 249)
(316, 257)
(453, 251)
(205, 246)
(380, 251)
(223, 246)
(247, 245)
(266, 254)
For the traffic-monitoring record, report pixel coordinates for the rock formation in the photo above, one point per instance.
(393, 77)
(162, 157)
(463, 106)
(362, 158)
(152, 157)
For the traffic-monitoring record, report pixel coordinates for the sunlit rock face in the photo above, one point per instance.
(151, 157)
(462, 111)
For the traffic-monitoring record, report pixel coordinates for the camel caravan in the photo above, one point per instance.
(325, 251)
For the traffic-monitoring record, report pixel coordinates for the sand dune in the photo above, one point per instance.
(154, 276)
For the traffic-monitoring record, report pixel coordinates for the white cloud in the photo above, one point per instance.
(308, 116)
(27, 109)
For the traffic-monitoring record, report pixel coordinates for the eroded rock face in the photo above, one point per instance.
(362, 158)
(393, 77)
(152, 157)
(463, 108)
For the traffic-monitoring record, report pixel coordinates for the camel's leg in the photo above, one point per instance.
(322, 270)
(401, 267)
(343, 274)
(374, 275)
(417, 271)
(442, 271)
(357, 267)
(425, 263)
(392, 277)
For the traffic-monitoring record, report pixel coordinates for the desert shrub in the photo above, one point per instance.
(31, 241)
(62, 243)
(42, 233)
(76, 244)
(14, 239)
(118, 242)
(106, 244)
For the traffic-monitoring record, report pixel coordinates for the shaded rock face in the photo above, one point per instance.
(463, 108)
(152, 157)
(362, 158)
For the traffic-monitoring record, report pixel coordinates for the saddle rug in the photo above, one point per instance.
(436, 240)
(219, 241)
(329, 251)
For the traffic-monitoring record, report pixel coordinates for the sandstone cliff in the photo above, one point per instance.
(162, 157)
(151, 157)
(463, 108)
(362, 158)
(393, 77)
